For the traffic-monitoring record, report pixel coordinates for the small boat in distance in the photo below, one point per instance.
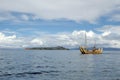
(85, 50)
(95, 50)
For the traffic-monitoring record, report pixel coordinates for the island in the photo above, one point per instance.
(47, 48)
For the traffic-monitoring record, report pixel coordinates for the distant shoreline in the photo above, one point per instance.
(47, 48)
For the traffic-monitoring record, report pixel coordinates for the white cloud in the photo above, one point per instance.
(76, 38)
(90, 34)
(109, 28)
(37, 42)
(109, 37)
(106, 33)
(76, 33)
(25, 17)
(78, 10)
(5, 39)
(9, 41)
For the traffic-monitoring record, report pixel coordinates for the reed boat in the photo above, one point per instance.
(94, 50)
(84, 50)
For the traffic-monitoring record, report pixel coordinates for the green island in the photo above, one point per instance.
(47, 48)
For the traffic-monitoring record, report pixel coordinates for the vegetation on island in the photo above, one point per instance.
(47, 48)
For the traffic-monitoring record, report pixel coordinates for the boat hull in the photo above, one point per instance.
(93, 51)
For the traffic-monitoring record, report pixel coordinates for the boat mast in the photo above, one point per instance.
(85, 39)
(95, 44)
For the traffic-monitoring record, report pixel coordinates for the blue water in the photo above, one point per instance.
(18, 64)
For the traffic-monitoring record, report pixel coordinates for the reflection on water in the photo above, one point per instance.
(58, 65)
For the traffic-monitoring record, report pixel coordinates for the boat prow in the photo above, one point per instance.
(84, 50)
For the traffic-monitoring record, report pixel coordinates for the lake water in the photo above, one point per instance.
(18, 64)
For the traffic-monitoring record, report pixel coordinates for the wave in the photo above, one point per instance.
(29, 73)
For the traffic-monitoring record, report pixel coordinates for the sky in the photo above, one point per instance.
(36, 23)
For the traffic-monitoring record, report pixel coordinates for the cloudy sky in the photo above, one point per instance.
(27, 23)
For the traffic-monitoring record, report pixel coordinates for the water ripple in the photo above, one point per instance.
(29, 73)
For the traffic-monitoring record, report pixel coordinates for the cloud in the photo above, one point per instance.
(24, 17)
(9, 41)
(115, 17)
(106, 33)
(6, 16)
(77, 10)
(76, 38)
(37, 42)
(110, 28)
(109, 36)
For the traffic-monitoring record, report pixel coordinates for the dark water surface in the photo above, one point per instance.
(58, 65)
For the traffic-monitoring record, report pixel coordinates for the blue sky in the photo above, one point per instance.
(27, 23)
